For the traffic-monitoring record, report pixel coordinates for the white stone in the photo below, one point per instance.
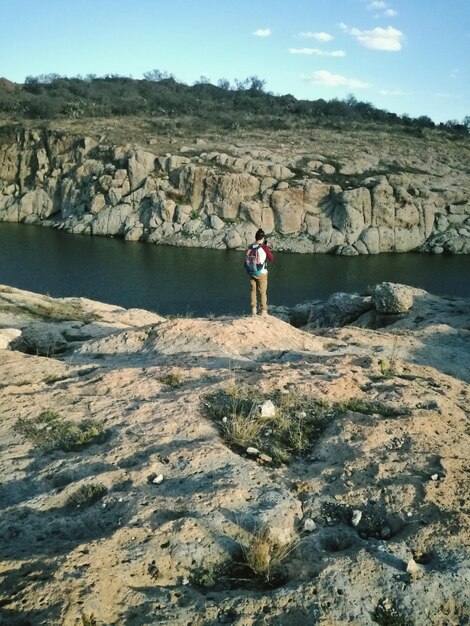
(414, 569)
(252, 451)
(158, 479)
(356, 517)
(309, 525)
(267, 409)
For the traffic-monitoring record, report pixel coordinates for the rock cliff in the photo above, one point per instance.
(363, 196)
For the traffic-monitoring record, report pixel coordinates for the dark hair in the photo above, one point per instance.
(259, 234)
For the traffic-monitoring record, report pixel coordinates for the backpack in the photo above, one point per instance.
(253, 263)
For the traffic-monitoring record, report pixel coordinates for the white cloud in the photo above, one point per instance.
(376, 4)
(447, 95)
(390, 13)
(392, 92)
(262, 32)
(317, 36)
(318, 52)
(455, 73)
(323, 77)
(389, 39)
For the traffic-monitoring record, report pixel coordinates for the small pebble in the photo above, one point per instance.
(158, 479)
(435, 477)
(265, 457)
(309, 525)
(252, 451)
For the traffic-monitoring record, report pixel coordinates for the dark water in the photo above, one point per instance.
(183, 280)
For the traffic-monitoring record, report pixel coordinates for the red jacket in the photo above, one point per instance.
(269, 254)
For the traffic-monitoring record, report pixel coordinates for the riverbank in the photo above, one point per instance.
(328, 192)
(211, 483)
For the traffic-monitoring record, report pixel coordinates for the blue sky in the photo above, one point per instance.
(407, 56)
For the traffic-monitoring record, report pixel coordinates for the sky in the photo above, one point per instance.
(405, 56)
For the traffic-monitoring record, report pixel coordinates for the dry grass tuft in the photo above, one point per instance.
(264, 556)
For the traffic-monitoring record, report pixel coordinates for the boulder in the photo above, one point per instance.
(216, 223)
(139, 166)
(35, 203)
(394, 298)
(110, 220)
(352, 213)
(371, 239)
(227, 192)
(407, 239)
(98, 203)
(258, 214)
(193, 226)
(317, 196)
(327, 169)
(341, 309)
(233, 240)
(312, 223)
(41, 339)
(288, 208)
(183, 213)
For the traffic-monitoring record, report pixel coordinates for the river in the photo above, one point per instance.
(181, 281)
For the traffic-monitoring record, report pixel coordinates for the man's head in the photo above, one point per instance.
(260, 235)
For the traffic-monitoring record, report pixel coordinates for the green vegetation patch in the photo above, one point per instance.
(370, 407)
(51, 431)
(86, 495)
(296, 425)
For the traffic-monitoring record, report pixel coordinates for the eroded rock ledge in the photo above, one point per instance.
(204, 196)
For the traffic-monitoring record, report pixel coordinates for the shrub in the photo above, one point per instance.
(173, 379)
(50, 431)
(86, 495)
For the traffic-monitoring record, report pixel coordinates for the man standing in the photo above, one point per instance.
(257, 256)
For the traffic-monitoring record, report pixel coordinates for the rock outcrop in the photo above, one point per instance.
(165, 517)
(364, 205)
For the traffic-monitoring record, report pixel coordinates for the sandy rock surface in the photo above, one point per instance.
(373, 515)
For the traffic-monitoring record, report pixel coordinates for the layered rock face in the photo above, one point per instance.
(363, 204)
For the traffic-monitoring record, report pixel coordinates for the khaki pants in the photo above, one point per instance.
(259, 285)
